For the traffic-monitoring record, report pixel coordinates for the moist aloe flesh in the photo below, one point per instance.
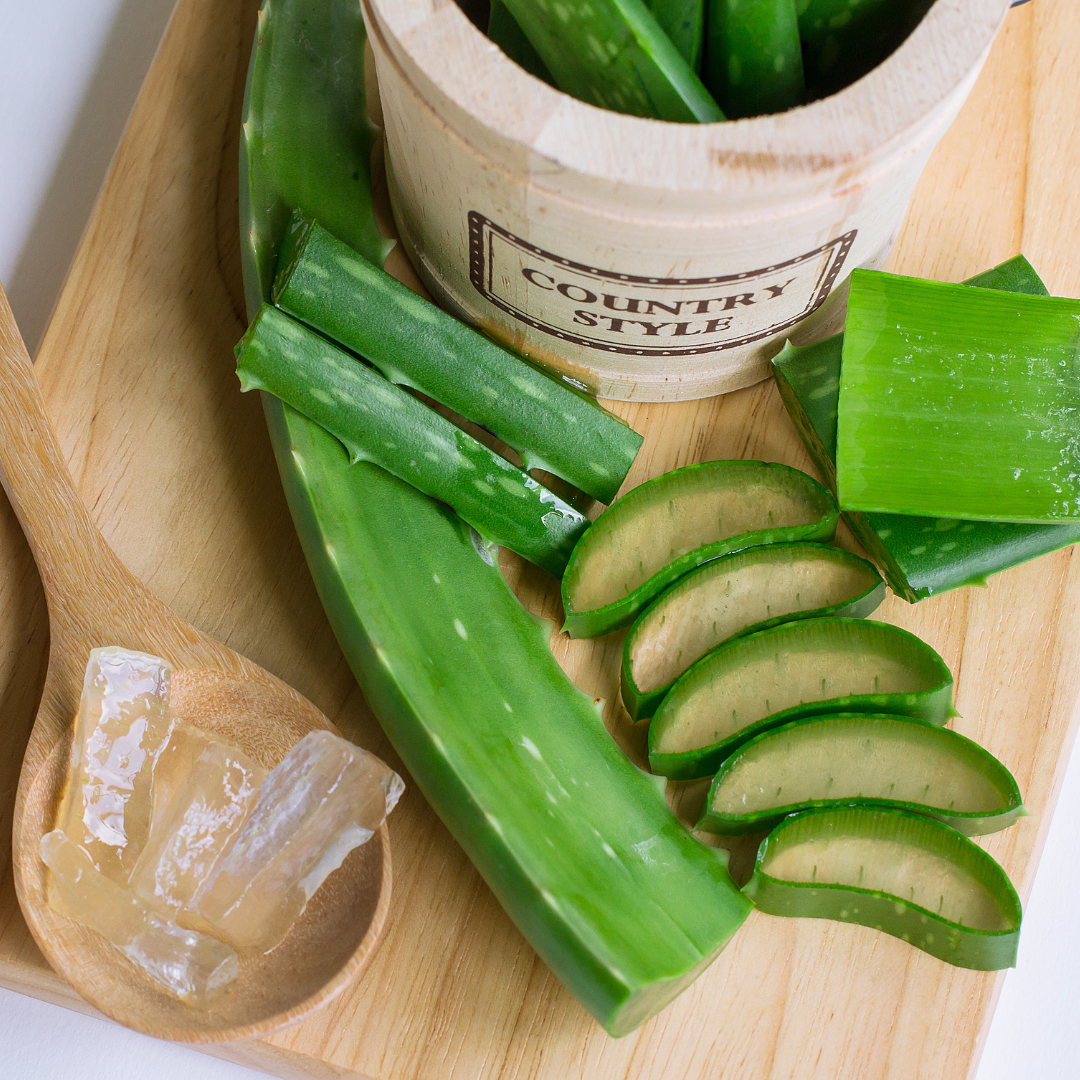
(795, 669)
(866, 760)
(907, 875)
(661, 530)
(735, 595)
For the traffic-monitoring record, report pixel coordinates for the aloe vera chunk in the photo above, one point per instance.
(907, 875)
(802, 668)
(327, 285)
(613, 53)
(657, 532)
(918, 556)
(754, 63)
(459, 675)
(737, 595)
(958, 401)
(858, 759)
(505, 32)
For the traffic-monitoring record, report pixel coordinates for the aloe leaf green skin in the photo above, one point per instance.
(918, 556)
(754, 64)
(811, 514)
(784, 661)
(720, 574)
(683, 21)
(504, 31)
(867, 760)
(989, 946)
(327, 285)
(458, 674)
(613, 53)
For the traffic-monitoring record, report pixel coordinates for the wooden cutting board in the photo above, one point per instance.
(175, 464)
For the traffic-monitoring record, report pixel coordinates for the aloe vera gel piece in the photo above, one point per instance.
(904, 874)
(959, 402)
(657, 532)
(865, 760)
(795, 669)
(377, 421)
(736, 595)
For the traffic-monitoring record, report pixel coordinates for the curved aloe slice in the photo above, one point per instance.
(904, 874)
(801, 668)
(737, 595)
(865, 760)
(667, 526)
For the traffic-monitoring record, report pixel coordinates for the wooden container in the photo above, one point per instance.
(646, 260)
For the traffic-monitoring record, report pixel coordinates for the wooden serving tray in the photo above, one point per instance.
(176, 467)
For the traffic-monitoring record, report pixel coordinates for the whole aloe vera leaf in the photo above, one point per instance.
(458, 673)
(505, 32)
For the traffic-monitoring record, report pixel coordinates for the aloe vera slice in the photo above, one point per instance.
(327, 285)
(859, 759)
(904, 874)
(453, 667)
(918, 556)
(613, 53)
(504, 31)
(733, 596)
(958, 401)
(754, 61)
(802, 668)
(672, 523)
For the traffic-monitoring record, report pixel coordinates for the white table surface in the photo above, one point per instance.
(69, 73)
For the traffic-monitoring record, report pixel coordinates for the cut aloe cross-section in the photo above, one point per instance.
(866, 760)
(378, 421)
(667, 526)
(736, 595)
(801, 668)
(958, 401)
(904, 874)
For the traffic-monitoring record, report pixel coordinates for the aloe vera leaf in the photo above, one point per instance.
(505, 32)
(918, 556)
(753, 64)
(904, 874)
(859, 759)
(395, 605)
(665, 527)
(959, 401)
(554, 427)
(613, 53)
(684, 23)
(737, 595)
(802, 668)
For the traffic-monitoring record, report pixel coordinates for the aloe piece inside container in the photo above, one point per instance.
(864, 759)
(736, 595)
(904, 874)
(794, 669)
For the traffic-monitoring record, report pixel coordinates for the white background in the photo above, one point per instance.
(69, 74)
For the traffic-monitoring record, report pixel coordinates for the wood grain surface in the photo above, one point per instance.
(176, 468)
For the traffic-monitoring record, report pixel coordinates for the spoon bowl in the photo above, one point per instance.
(95, 601)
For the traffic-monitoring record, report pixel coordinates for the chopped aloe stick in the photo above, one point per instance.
(504, 31)
(802, 668)
(122, 726)
(554, 427)
(904, 874)
(613, 53)
(859, 759)
(754, 61)
(737, 595)
(959, 402)
(378, 421)
(667, 526)
(325, 798)
(919, 557)
(683, 21)
(192, 965)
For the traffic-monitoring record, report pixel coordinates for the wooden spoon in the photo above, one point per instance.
(93, 601)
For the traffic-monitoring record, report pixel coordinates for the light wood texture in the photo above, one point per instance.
(651, 261)
(176, 468)
(92, 601)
